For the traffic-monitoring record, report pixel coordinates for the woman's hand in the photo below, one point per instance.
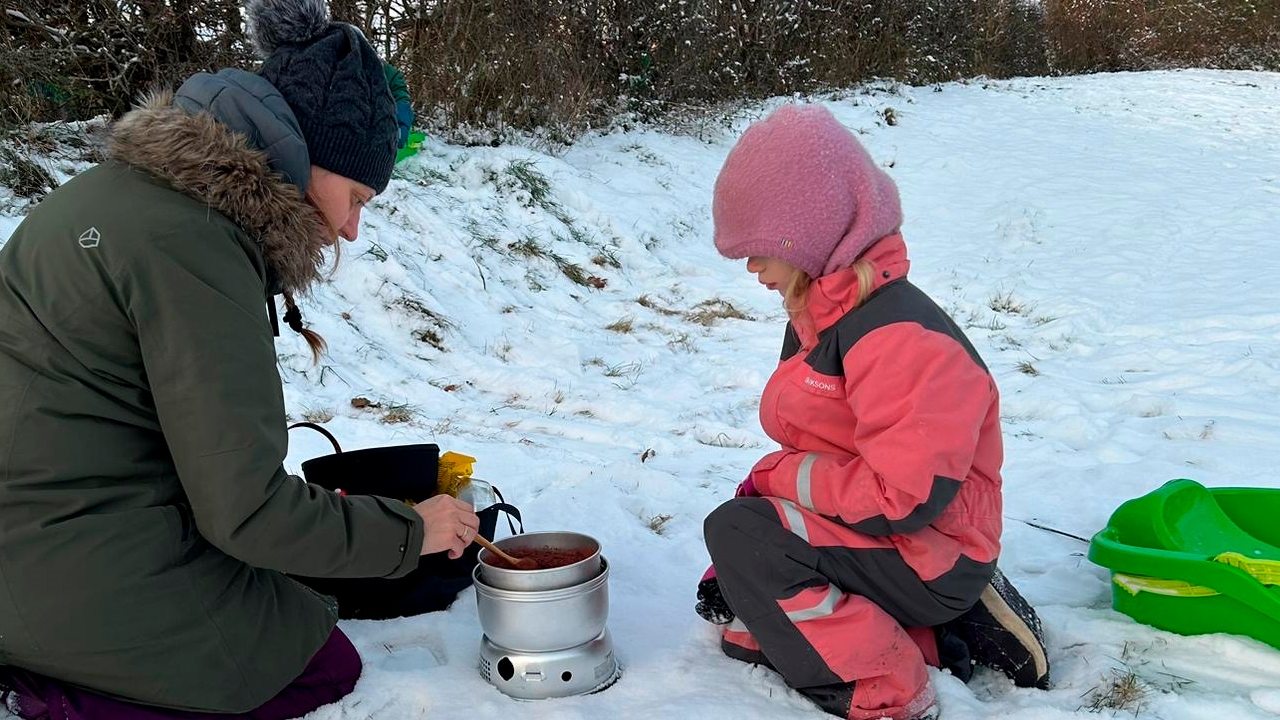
(447, 524)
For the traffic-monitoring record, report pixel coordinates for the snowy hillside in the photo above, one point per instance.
(1109, 244)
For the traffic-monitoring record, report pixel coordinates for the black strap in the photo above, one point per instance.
(336, 447)
(510, 510)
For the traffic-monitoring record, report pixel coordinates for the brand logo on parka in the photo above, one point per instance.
(90, 238)
(820, 384)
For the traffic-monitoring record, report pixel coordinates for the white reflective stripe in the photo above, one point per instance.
(804, 481)
(822, 609)
(795, 519)
(736, 626)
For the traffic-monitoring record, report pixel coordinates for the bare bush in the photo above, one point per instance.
(66, 59)
(492, 64)
(1095, 35)
(479, 68)
(24, 175)
(1222, 33)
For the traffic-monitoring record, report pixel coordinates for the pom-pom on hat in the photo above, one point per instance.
(333, 81)
(799, 187)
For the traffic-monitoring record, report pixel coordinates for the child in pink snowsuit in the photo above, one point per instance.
(866, 547)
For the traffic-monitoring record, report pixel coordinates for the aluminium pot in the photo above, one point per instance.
(565, 576)
(544, 620)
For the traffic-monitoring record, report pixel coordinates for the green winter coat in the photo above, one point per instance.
(146, 521)
(395, 82)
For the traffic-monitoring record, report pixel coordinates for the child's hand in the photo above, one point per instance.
(747, 488)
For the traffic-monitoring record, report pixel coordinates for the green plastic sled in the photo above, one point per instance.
(411, 146)
(1195, 560)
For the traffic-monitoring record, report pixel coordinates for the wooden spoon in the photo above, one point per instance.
(518, 563)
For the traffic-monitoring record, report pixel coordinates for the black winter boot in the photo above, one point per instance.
(1003, 631)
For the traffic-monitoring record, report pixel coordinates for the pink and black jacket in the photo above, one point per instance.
(889, 424)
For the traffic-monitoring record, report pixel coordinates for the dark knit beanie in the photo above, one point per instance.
(333, 81)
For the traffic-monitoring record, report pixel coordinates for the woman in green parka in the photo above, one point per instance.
(146, 521)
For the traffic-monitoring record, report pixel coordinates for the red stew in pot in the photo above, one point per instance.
(544, 558)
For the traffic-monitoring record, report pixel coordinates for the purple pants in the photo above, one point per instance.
(329, 676)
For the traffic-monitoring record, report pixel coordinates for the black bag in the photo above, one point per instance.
(402, 472)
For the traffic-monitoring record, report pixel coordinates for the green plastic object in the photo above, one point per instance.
(411, 146)
(1195, 560)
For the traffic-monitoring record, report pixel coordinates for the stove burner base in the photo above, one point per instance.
(586, 668)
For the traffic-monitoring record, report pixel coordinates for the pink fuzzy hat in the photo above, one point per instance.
(799, 187)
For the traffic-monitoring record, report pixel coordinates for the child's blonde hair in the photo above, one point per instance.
(796, 296)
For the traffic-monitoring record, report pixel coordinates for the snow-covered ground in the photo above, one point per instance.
(1108, 242)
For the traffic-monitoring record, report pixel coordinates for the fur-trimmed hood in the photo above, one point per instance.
(210, 163)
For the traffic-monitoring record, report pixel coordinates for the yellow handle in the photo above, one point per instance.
(1264, 571)
(454, 473)
(1159, 586)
